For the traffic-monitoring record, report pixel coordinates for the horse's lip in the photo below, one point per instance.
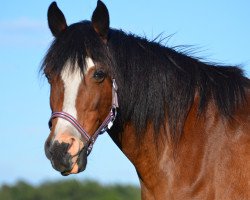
(68, 172)
(78, 161)
(65, 173)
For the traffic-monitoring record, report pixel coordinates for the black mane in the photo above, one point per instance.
(155, 82)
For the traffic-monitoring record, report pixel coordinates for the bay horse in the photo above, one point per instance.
(182, 122)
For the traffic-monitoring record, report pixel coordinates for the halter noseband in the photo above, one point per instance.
(107, 123)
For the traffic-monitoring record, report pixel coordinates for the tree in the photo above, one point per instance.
(69, 190)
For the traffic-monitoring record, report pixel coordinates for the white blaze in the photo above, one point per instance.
(71, 81)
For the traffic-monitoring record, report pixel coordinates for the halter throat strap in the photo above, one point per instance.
(106, 124)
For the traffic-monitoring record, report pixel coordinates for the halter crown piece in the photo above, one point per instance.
(107, 123)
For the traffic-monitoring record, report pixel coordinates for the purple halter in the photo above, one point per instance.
(107, 123)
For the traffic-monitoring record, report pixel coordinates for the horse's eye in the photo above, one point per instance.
(99, 75)
(50, 124)
(48, 77)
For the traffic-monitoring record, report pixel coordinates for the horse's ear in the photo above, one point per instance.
(100, 20)
(56, 20)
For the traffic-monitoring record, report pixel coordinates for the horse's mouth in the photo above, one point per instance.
(65, 173)
(79, 165)
(74, 170)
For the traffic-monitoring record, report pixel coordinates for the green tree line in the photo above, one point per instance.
(69, 190)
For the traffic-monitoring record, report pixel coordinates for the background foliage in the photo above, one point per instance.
(69, 190)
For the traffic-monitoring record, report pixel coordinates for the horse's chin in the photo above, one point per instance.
(75, 170)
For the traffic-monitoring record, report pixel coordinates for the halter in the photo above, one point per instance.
(107, 123)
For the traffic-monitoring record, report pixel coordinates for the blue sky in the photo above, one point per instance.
(219, 28)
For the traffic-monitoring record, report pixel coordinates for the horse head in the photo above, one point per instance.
(83, 94)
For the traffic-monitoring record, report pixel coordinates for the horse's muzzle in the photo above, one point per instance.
(62, 159)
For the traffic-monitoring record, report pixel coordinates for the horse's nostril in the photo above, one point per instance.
(72, 140)
(47, 147)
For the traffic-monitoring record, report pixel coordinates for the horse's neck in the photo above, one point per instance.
(145, 155)
(156, 160)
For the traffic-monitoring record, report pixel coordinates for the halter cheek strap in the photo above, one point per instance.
(107, 123)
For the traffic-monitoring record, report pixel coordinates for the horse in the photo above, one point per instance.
(183, 123)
